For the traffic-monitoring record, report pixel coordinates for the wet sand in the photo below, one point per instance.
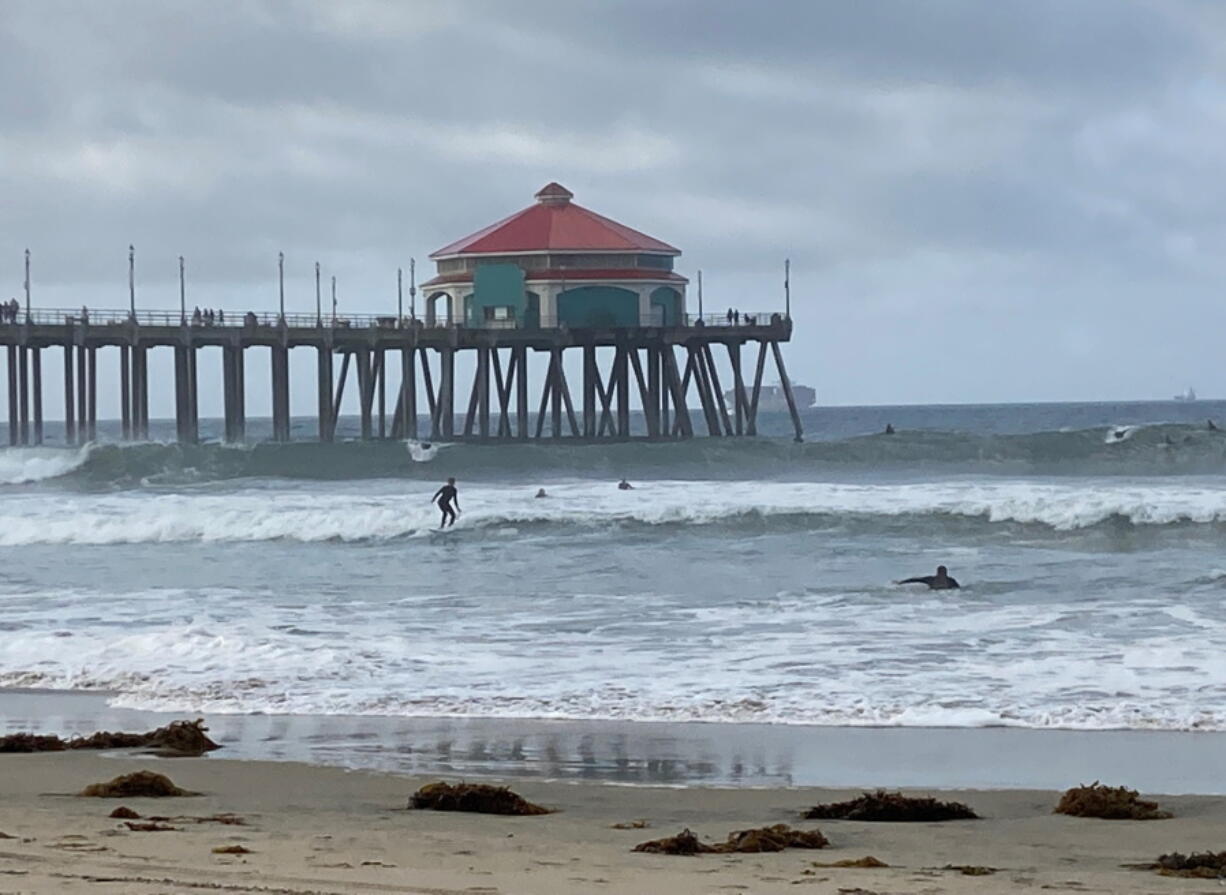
(325, 830)
(683, 754)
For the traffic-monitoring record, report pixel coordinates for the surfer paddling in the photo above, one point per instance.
(445, 497)
(940, 581)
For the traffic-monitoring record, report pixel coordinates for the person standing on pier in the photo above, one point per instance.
(445, 497)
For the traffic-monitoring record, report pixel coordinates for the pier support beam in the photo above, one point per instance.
(36, 381)
(13, 423)
(82, 396)
(787, 391)
(92, 417)
(280, 393)
(23, 396)
(125, 393)
(70, 412)
(408, 393)
(366, 391)
(324, 365)
(140, 392)
(233, 393)
(521, 390)
(185, 394)
(446, 392)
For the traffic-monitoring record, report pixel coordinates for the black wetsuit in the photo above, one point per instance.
(933, 582)
(444, 498)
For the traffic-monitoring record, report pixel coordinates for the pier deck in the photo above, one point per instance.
(660, 366)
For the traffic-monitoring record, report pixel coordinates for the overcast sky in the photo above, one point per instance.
(982, 201)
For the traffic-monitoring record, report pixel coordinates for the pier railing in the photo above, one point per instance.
(250, 319)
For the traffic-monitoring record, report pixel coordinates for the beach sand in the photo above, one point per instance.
(325, 830)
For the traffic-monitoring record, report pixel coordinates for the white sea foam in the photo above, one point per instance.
(19, 466)
(401, 510)
(945, 661)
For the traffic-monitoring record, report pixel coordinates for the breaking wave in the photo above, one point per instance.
(304, 515)
(1112, 451)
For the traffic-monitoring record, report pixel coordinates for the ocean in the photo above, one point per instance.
(742, 580)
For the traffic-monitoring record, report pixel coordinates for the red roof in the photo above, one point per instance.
(555, 224)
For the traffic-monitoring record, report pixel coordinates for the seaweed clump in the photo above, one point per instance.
(1198, 865)
(761, 839)
(140, 783)
(177, 739)
(477, 797)
(30, 742)
(684, 843)
(891, 806)
(1108, 803)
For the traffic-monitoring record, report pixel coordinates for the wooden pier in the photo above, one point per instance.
(658, 368)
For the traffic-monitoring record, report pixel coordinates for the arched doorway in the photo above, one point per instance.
(432, 318)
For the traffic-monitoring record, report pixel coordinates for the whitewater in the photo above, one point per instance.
(738, 581)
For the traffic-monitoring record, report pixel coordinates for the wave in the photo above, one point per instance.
(290, 514)
(637, 657)
(1114, 451)
(21, 466)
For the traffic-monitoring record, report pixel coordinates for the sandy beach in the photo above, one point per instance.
(323, 830)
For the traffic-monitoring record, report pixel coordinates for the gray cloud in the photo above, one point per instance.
(1033, 184)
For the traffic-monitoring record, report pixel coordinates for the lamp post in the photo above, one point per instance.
(132, 283)
(319, 313)
(700, 295)
(27, 285)
(399, 296)
(182, 292)
(334, 302)
(281, 282)
(787, 288)
(413, 288)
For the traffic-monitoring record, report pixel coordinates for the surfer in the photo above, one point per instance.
(444, 497)
(939, 581)
(623, 485)
(1212, 426)
(889, 428)
(541, 493)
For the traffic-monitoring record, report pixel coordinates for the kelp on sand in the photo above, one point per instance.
(1108, 803)
(177, 739)
(891, 807)
(760, 839)
(480, 798)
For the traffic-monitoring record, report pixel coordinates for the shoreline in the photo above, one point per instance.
(326, 831)
(674, 754)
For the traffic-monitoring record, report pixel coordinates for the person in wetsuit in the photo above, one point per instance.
(445, 497)
(939, 581)
(623, 485)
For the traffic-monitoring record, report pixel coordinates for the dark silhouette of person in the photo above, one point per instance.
(445, 497)
(541, 493)
(623, 485)
(889, 428)
(940, 581)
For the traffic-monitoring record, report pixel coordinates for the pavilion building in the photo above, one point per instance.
(556, 265)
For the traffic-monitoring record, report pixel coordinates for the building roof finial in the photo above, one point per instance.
(554, 193)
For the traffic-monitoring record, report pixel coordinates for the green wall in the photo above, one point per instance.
(496, 285)
(589, 307)
(669, 300)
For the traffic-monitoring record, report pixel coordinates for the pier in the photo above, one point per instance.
(522, 292)
(404, 373)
